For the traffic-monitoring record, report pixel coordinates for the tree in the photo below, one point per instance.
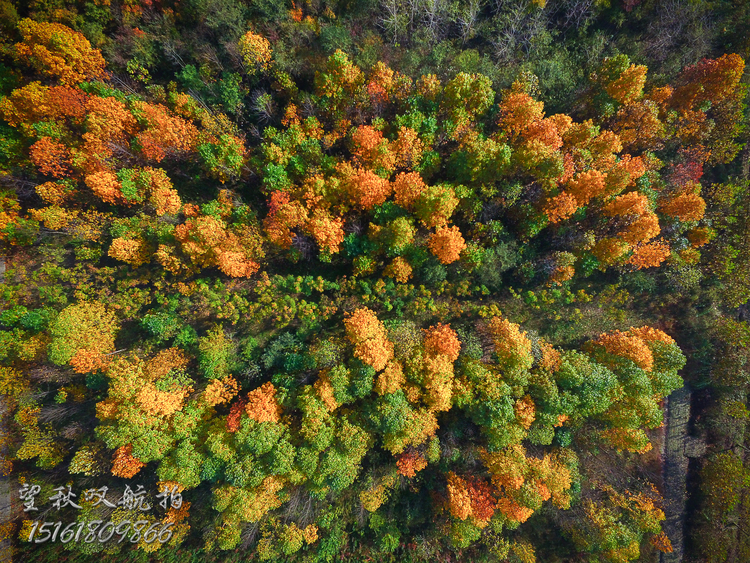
(80, 328)
(686, 206)
(407, 187)
(512, 347)
(58, 51)
(370, 339)
(447, 243)
(261, 404)
(256, 52)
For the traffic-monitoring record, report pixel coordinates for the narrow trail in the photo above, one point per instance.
(6, 512)
(679, 447)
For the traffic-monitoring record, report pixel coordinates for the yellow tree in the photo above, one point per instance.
(58, 51)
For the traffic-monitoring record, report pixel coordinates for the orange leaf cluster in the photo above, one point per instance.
(442, 339)
(518, 111)
(514, 511)
(105, 186)
(87, 361)
(661, 542)
(551, 359)
(410, 463)
(283, 216)
(483, 501)
(525, 411)
(560, 207)
(446, 244)
(371, 149)
(261, 404)
(165, 134)
(649, 255)
(207, 241)
(328, 231)
(642, 229)
(687, 206)
(407, 187)
(586, 186)
(631, 203)
(165, 361)
(125, 465)
(235, 415)
(363, 187)
(50, 157)
(628, 345)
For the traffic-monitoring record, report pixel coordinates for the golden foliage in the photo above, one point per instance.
(631, 203)
(87, 361)
(363, 187)
(518, 111)
(628, 87)
(310, 533)
(324, 390)
(372, 150)
(399, 269)
(408, 148)
(586, 186)
(511, 345)
(459, 501)
(370, 339)
(105, 186)
(374, 497)
(134, 252)
(642, 229)
(391, 379)
(685, 207)
(551, 359)
(58, 51)
(256, 52)
(700, 236)
(50, 157)
(525, 411)
(328, 231)
(220, 391)
(560, 207)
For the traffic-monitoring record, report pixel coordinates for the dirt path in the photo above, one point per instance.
(6, 549)
(675, 471)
